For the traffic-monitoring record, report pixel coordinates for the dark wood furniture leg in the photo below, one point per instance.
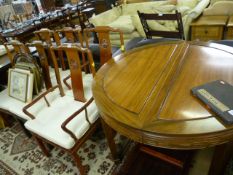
(110, 133)
(42, 146)
(222, 154)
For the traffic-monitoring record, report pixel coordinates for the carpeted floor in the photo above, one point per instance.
(20, 155)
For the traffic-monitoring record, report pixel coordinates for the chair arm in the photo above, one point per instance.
(66, 83)
(64, 124)
(25, 109)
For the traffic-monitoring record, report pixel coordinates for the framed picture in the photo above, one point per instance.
(20, 84)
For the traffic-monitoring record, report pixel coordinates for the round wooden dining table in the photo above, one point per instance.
(145, 95)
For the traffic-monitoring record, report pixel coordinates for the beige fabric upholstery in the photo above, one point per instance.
(124, 23)
(220, 8)
(61, 108)
(190, 10)
(188, 3)
(212, 2)
(15, 106)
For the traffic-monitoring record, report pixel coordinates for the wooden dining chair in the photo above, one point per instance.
(48, 70)
(145, 17)
(103, 50)
(67, 119)
(47, 36)
(43, 59)
(18, 47)
(68, 35)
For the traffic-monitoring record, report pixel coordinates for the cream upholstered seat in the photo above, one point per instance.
(67, 118)
(13, 106)
(52, 117)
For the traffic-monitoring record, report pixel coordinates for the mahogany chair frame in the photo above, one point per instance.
(72, 35)
(45, 35)
(144, 17)
(76, 74)
(48, 36)
(104, 41)
(72, 53)
(18, 48)
(40, 47)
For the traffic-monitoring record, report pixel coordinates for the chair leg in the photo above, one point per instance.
(42, 146)
(78, 163)
(110, 134)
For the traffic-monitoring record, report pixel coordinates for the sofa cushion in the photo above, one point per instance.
(131, 9)
(220, 8)
(188, 3)
(164, 8)
(138, 25)
(106, 17)
(123, 23)
(212, 2)
(174, 2)
(184, 10)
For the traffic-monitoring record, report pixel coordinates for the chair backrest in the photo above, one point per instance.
(45, 35)
(18, 48)
(70, 35)
(73, 52)
(103, 34)
(43, 58)
(179, 33)
(67, 35)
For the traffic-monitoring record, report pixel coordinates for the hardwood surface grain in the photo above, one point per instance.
(144, 94)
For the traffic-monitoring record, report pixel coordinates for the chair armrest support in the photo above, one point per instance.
(66, 83)
(64, 124)
(43, 95)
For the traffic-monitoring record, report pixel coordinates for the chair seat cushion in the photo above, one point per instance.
(49, 120)
(15, 106)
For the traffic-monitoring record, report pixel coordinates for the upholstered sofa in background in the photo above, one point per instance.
(125, 16)
(219, 7)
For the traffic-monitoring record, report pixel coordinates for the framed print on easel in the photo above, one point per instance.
(20, 84)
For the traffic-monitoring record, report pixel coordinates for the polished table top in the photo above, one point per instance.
(144, 94)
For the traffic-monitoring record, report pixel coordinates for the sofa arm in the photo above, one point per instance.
(220, 8)
(196, 11)
(106, 17)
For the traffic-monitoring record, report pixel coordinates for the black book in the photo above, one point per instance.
(218, 95)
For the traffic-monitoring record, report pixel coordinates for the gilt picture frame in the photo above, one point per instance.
(18, 84)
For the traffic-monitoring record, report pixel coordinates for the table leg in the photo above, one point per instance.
(222, 154)
(110, 134)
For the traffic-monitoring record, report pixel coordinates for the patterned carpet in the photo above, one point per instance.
(20, 155)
